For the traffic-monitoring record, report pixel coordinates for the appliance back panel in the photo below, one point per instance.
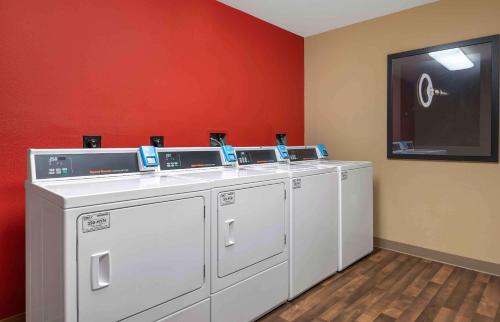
(189, 159)
(246, 157)
(49, 166)
(302, 154)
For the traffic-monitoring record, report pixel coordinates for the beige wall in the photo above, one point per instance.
(452, 207)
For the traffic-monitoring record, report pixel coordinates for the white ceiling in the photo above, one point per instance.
(310, 17)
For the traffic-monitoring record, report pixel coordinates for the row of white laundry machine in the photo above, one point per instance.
(188, 234)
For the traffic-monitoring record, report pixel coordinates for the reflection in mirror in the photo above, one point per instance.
(452, 59)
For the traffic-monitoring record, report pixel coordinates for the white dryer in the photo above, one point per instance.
(250, 218)
(105, 242)
(355, 186)
(313, 215)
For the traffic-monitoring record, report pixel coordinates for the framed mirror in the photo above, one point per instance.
(442, 102)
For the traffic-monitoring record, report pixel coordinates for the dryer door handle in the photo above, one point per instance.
(100, 270)
(229, 227)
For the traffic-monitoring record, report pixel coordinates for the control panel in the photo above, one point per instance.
(61, 164)
(256, 156)
(302, 154)
(148, 158)
(174, 160)
(229, 154)
(322, 151)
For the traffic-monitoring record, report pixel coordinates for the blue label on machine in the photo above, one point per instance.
(149, 156)
(282, 151)
(322, 149)
(229, 153)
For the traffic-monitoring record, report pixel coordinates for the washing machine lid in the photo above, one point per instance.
(266, 158)
(295, 170)
(309, 155)
(231, 176)
(207, 164)
(299, 170)
(85, 192)
(336, 164)
(346, 165)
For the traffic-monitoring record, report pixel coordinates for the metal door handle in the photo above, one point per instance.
(229, 224)
(100, 270)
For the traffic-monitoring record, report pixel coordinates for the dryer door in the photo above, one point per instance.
(251, 226)
(132, 259)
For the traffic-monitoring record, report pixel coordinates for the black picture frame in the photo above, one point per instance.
(493, 157)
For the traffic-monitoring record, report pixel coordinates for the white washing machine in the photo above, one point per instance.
(250, 218)
(313, 215)
(108, 242)
(355, 186)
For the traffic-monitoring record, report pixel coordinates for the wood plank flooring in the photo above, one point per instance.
(389, 286)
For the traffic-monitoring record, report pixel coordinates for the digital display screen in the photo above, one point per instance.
(246, 157)
(189, 159)
(302, 154)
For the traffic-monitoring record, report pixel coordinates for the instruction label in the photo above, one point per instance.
(227, 198)
(296, 183)
(95, 222)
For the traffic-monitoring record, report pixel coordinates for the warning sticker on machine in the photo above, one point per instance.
(95, 222)
(296, 183)
(227, 198)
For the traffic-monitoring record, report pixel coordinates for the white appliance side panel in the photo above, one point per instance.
(200, 312)
(44, 260)
(251, 226)
(154, 253)
(251, 298)
(313, 235)
(356, 215)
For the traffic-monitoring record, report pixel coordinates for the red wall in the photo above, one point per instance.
(128, 69)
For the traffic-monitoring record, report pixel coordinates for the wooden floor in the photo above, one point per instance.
(388, 286)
